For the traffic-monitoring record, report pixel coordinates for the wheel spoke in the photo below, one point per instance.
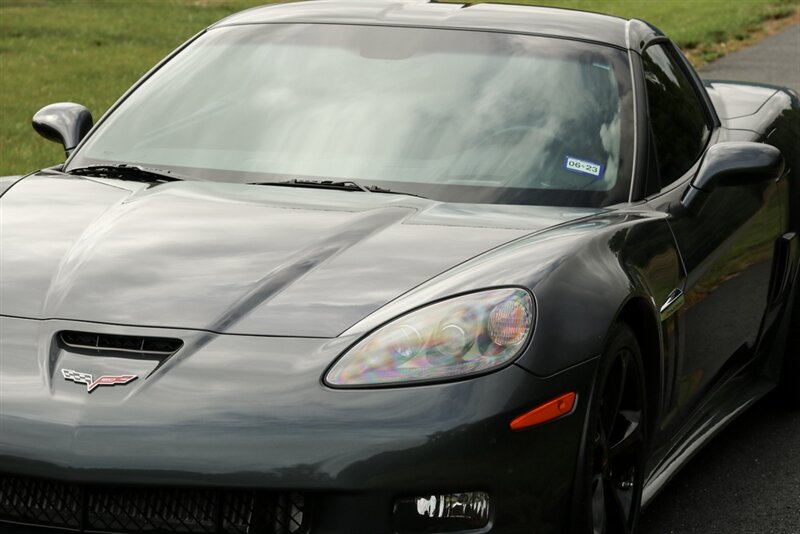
(632, 438)
(614, 392)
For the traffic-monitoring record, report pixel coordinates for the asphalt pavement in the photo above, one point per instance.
(747, 480)
(774, 60)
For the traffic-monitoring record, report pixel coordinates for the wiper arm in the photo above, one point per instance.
(348, 185)
(126, 172)
(323, 184)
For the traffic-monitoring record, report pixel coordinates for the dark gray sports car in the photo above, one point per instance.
(394, 267)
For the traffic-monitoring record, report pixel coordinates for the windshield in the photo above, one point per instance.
(453, 115)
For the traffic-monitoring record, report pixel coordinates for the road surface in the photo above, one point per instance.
(747, 480)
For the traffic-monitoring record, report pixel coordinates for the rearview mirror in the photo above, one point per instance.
(732, 164)
(66, 123)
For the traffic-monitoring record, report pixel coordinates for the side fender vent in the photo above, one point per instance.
(783, 267)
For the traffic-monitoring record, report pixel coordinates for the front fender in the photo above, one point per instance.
(7, 181)
(581, 274)
(633, 257)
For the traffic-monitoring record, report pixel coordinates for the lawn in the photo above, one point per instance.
(91, 51)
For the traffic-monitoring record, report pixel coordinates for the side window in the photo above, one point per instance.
(677, 118)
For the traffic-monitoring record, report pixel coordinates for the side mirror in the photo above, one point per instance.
(64, 123)
(732, 164)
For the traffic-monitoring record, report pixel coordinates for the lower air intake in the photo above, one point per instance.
(88, 508)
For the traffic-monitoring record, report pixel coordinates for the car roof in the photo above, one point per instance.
(554, 22)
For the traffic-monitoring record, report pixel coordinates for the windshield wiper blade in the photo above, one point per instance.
(324, 184)
(348, 185)
(126, 172)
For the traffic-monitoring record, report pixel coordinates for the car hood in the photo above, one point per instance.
(232, 258)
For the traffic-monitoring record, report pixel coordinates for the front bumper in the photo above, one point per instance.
(252, 412)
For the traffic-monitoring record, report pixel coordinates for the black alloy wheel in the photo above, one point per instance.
(615, 450)
(789, 386)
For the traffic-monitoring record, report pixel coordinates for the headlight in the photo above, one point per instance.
(461, 336)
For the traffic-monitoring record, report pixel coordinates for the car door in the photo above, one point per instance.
(727, 248)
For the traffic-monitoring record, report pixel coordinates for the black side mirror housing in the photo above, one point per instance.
(66, 123)
(731, 164)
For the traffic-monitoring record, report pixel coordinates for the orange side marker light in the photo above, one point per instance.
(548, 411)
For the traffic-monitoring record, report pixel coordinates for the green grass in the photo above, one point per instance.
(688, 22)
(91, 51)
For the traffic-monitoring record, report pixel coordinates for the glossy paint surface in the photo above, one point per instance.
(728, 322)
(64, 123)
(251, 411)
(268, 287)
(6, 182)
(493, 17)
(232, 258)
(736, 100)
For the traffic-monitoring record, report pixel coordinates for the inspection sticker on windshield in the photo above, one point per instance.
(584, 167)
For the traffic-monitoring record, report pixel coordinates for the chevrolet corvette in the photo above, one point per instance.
(343, 267)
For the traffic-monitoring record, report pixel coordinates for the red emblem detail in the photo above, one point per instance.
(91, 384)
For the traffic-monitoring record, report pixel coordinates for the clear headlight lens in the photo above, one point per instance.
(461, 336)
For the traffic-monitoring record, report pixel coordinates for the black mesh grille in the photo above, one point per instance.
(89, 508)
(159, 346)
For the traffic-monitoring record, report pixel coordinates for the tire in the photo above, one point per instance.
(614, 448)
(789, 385)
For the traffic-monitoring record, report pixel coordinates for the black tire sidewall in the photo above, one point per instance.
(789, 382)
(621, 336)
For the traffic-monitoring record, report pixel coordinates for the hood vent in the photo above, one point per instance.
(106, 344)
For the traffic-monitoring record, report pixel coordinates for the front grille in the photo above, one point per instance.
(156, 346)
(92, 508)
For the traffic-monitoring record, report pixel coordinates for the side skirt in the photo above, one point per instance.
(737, 395)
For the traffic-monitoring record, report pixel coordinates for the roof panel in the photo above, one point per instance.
(556, 22)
